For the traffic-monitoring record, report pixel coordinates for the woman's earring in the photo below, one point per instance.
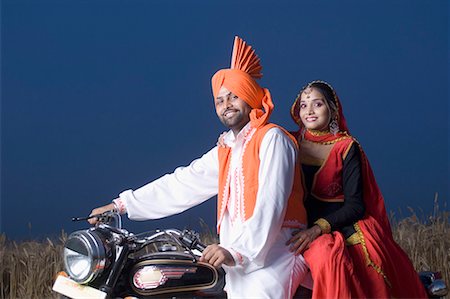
(334, 126)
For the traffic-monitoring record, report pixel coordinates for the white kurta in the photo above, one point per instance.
(264, 266)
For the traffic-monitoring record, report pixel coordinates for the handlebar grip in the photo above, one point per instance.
(191, 240)
(200, 247)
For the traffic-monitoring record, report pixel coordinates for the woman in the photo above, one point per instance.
(348, 245)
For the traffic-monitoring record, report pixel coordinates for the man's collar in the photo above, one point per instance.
(229, 138)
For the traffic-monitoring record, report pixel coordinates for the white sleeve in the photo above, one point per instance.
(176, 192)
(278, 156)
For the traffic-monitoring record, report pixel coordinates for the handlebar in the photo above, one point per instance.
(192, 240)
(112, 220)
(187, 238)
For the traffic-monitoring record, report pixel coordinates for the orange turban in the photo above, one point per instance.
(240, 80)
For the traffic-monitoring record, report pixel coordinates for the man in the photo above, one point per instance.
(252, 174)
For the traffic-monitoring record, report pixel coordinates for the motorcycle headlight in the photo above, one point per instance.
(84, 256)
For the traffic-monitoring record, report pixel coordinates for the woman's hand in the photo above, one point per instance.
(300, 240)
(216, 256)
(99, 210)
(221, 141)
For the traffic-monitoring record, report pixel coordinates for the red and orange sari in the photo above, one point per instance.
(374, 266)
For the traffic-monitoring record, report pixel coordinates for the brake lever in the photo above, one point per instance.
(85, 218)
(98, 216)
(191, 240)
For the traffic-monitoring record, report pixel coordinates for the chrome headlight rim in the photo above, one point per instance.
(94, 251)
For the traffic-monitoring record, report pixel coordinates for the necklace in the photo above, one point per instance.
(318, 132)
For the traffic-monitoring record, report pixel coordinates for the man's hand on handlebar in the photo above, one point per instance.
(100, 210)
(216, 256)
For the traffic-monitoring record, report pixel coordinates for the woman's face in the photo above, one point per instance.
(314, 110)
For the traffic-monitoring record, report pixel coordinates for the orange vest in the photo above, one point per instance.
(295, 213)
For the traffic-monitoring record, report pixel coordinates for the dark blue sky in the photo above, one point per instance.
(101, 96)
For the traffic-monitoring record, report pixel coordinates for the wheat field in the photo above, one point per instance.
(28, 268)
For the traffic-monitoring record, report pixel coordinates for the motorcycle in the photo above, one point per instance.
(107, 261)
(434, 284)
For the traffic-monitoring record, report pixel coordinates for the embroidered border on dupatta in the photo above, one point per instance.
(369, 262)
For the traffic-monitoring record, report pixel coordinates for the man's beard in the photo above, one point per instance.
(232, 122)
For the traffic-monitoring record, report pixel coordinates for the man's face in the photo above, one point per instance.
(232, 111)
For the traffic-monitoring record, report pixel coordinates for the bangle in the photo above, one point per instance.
(237, 257)
(324, 225)
(119, 206)
(116, 208)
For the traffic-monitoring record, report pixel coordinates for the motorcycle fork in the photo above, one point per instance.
(119, 263)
